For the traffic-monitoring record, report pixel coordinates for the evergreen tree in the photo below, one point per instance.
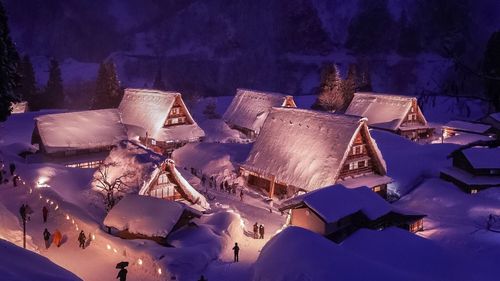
(158, 84)
(330, 96)
(26, 89)
(107, 91)
(9, 60)
(491, 68)
(349, 85)
(54, 93)
(365, 81)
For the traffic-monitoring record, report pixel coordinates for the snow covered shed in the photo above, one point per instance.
(394, 113)
(336, 212)
(153, 174)
(144, 217)
(458, 127)
(299, 149)
(79, 139)
(159, 119)
(249, 109)
(474, 169)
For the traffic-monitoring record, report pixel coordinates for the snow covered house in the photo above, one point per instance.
(160, 120)
(154, 175)
(394, 113)
(249, 109)
(299, 149)
(493, 120)
(456, 128)
(474, 169)
(144, 217)
(336, 212)
(79, 139)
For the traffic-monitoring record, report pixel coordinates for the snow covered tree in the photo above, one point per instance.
(111, 185)
(9, 60)
(491, 69)
(330, 96)
(54, 93)
(349, 85)
(27, 89)
(107, 90)
(158, 84)
(365, 81)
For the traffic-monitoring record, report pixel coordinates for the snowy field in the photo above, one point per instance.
(454, 245)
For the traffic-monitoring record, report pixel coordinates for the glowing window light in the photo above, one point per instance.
(139, 261)
(93, 236)
(67, 217)
(57, 207)
(72, 221)
(114, 250)
(108, 247)
(159, 271)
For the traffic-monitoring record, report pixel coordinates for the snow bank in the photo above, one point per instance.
(297, 254)
(17, 264)
(144, 215)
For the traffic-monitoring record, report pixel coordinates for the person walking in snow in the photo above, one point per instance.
(12, 168)
(261, 231)
(45, 213)
(28, 211)
(82, 239)
(46, 237)
(22, 212)
(255, 230)
(57, 238)
(241, 195)
(236, 250)
(122, 274)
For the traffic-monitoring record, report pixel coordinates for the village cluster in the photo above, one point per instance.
(320, 171)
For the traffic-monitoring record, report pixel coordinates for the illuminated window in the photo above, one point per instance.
(412, 117)
(163, 179)
(473, 191)
(353, 165)
(175, 120)
(377, 188)
(357, 149)
(175, 110)
(153, 141)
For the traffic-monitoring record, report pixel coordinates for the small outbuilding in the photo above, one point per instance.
(457, 127)
(144, 217)
(79, 139)
(474, 169)
(249, 109)
(336, 212)
(159, 119)
(394, 113)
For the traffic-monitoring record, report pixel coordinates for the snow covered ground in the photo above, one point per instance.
(455, 226)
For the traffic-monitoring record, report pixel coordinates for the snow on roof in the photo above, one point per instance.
(146, 166)
(80, 130)
(495, 116)
(382, 110)
(336, 202)
(250, 108)
(304, 148)
(471, 179)
(145, 111)
(482, 157)
(366, 180)
(477, 128)
(149, 216)
(465, 138)
(19, 264)
(299, 254)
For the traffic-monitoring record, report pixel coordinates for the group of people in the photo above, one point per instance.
(258, 231)
(224, 186)
(4, 176)
(56, 238)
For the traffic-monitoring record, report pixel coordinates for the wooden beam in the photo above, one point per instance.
(271, 187)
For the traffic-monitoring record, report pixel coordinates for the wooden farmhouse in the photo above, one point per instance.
(474, 169)
(143, 217)
(337, 211)
(397, 114)
(457, 127)
(160, 120)
(77, 139)
(153, 175)
(249, 109)
(300, 149)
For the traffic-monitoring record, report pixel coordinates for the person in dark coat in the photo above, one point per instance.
(12, 168)
(122, 274)
(22, 212)
(236, 250)
(14, 180)
(256, 230)
(45, 213)
(82, 239)
(46, 237)
(241, 195)
(221, 186)
(261, 231)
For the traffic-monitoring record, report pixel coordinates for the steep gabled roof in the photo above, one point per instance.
(147, 166)
(305, 148)
(249, 108)
(483, 157)
(80, 130)
(336, 202)
(382, 110)
(145, 111)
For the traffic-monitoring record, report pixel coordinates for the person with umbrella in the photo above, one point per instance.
(122, 274)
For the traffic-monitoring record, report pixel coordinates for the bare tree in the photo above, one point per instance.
(111, 186)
